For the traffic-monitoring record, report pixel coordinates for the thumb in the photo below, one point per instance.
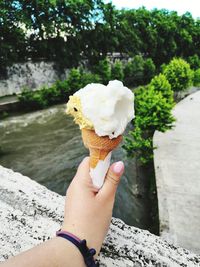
(83, 169)
(112, 179)
(83, 178)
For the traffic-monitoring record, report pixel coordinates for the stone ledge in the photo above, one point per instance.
(30, 214)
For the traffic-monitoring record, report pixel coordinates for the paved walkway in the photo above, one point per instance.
(177, 165)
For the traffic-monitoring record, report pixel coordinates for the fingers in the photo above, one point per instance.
(83, 169)
(112, 180)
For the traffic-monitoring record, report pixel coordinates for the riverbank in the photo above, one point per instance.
(8, 105)
(31, 214)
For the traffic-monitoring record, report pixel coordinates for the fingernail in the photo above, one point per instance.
(118, 167)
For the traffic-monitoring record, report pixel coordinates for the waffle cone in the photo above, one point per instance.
(99, 146)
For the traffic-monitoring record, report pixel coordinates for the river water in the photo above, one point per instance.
(47, 147)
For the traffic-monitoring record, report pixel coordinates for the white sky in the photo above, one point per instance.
(181, 6)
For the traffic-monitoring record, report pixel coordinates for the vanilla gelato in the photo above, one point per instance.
(105, 109)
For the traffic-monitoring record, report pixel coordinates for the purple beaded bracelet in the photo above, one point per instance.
(82, 246)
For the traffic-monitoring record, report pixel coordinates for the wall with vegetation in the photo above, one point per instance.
(30, 75)
(67, 32)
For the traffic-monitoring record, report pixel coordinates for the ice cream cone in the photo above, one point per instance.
(100, 148)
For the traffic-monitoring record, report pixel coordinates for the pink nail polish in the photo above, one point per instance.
(118, 167)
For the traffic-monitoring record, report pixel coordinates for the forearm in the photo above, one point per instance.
(56, 252)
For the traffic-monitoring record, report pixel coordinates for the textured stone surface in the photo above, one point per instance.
(177, 166)
(30, 214)
(29, 74)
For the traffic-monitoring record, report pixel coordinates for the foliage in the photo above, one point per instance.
(179, 74)
(138, 71)
(194, 62)
(138, 146)
(54, 94)
(196, 79)
(117, 72)
(45, 96)
(149, 70)
(88, 77)
(68, 32)
(161, 84)
(103, 69)
(32, 99)
(74, 80)
(153, 105)
(12, 38)
(58, 92)
(134, 71)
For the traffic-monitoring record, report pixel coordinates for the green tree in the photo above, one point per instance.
(12, 37)
(128, 37)
(139, 71)
(179, 74)
(103, 69)
(117, 71)
(184, 35)
(69, 31)
(134, 71)
(149, 70)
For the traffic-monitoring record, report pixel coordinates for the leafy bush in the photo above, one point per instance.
(57, 93)
(74, 80)
(117, 71)
(179, 74)
(139, 71)
(153, 105)
(194, 62)
(161, 84)
(149, 70)
(134, 71)
(196, 79)
(79, 78)
(103, 69)
(88, 77)
(62, 87)
(52, 94)
(32, 99)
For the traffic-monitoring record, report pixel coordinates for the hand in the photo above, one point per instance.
(88, 211)
(87, 215)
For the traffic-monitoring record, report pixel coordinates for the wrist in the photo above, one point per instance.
(67, 254)
(94, 237)
(81, 245)
(77, 232)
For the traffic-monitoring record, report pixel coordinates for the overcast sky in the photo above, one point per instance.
(181, 6)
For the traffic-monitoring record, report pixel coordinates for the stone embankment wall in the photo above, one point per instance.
(30, 214)
(177, 166)
(30, 74)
